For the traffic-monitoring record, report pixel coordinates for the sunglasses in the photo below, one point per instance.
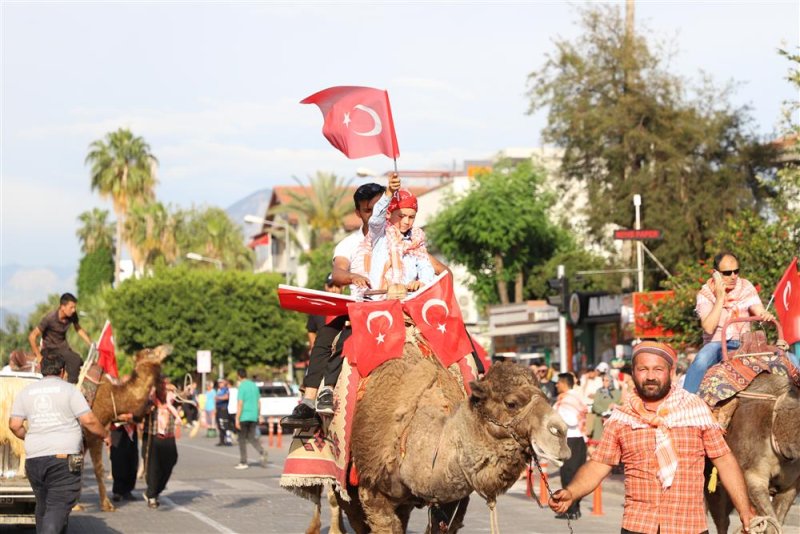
(729, 273)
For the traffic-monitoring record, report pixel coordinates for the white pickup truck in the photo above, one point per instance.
(278, 399)
(17, 501)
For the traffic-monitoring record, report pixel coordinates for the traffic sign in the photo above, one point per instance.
(637, 235)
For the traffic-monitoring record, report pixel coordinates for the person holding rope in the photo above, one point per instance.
(162, 427)
(662, 434)
(55, 411)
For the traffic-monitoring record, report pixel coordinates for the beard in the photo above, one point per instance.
(653, 390)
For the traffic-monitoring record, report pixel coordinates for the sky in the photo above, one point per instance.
(215, 88)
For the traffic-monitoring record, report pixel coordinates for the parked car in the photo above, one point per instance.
(278, 399)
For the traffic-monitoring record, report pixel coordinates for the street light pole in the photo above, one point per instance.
(637, 204)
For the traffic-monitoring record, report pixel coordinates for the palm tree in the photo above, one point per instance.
(95, 232)
(122, 168)
(210, 232)
(323, 204)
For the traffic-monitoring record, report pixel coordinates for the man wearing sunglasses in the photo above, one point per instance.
(723, 297)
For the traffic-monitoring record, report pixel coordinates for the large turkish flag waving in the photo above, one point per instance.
(438, 317)
(379, 333)
(787, 303)
(358, 120)
(107, 351)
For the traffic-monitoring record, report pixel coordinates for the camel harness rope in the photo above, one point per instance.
(527, 448)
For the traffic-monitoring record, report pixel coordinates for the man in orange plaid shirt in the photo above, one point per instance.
(662, 434)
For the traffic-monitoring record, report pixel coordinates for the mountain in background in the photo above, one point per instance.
(253, 204)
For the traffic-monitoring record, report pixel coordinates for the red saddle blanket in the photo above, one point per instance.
(728, 378)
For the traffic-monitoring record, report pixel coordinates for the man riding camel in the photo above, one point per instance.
(53, 331)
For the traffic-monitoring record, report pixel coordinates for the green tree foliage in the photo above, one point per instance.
(95, 231)
(234, 314)
(322, 205)
(95, 269)
(151, 230)
(210, 232)
(500, 230)
(764, 248)
(626, 127)
(123, 169)
(12, 337)
(320, 263)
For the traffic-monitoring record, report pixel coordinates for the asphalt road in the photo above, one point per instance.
(207, 495)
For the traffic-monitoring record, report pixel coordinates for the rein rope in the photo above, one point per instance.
(526, 448)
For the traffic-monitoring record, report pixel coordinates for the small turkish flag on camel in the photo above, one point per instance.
(107, 351)
(379, 333)
(787, 303)
(358, 120)
(436, 313)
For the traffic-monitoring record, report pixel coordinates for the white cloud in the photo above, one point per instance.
(29, 286)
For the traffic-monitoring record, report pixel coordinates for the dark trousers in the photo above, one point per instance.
(124, 460)
(163, 457)
(322, 353)
(72, 362)
(56, 490)
(578, 448)
(223, 423)
(247, 434)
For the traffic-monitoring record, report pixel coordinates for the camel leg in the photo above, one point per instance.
(380, 512)
(759, 494)
(96, 453)
(337, 523)
(782, 502)
(403, 513)
(458, 520)
(720, 507)
(354, 511)
(316, 522)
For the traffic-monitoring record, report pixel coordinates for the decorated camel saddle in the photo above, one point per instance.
(727, 381)
(427, 325)
(23, 362)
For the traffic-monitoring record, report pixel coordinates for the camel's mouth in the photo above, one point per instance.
(542, 454)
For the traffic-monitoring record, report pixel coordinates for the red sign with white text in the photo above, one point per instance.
(636, 235)
(642, 302)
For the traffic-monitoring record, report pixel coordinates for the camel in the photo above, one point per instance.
(417, 439)
(130, 397)
(764, 438)
(337, 522)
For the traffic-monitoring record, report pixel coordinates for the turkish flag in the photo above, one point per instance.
(379, 333)
(438, 317)
(358, 120)
(107, 352)
(787, 303)
(312, 301)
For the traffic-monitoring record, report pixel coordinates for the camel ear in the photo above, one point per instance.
(480, 390)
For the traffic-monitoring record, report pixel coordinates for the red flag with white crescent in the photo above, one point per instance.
(436, 313)
(107, 351)
(379, 333)
(312, 301)
(787, 303)
(358, 120)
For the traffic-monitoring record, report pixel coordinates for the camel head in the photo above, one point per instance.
(509, 401)
(155, 355)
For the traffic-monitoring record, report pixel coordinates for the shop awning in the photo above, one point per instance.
(519, 329)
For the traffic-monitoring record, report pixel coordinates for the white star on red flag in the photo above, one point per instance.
(380, 338)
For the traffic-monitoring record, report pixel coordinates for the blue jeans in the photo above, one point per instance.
(709, 355)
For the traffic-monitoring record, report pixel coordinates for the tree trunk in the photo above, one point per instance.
(118, 250)
(502, 286)
(518, 287)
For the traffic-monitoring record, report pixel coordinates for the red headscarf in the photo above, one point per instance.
(402, 198)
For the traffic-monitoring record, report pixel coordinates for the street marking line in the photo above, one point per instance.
(202, 517)
(214, 451)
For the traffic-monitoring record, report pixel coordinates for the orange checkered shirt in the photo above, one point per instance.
(677, 510)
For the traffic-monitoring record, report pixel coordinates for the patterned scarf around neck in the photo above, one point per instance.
(397, 246)
(678, 409)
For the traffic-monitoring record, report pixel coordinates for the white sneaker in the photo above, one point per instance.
(241, 466)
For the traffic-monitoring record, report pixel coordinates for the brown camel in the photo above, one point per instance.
(130, 397)
(417, 439)
(337, 522)
(764, 438)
